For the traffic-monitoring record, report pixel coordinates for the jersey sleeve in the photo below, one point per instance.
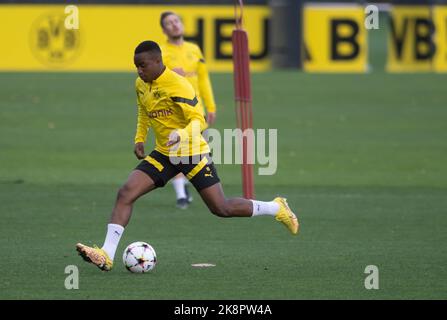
(205, 88)
(143, 123)
(187, 100)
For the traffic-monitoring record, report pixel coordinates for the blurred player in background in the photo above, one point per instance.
(168, 104)
(186, 59)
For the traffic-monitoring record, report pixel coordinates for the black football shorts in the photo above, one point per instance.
(199, 169)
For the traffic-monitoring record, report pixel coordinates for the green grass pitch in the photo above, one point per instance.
(362, 159)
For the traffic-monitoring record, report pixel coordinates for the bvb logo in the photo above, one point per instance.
(157, 94)
(51, 43)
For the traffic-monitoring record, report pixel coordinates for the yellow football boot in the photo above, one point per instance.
(286, 216)
(96, 256)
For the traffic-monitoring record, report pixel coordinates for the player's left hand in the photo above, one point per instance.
(174, 138)
(210, 118)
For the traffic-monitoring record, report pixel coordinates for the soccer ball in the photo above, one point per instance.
(139, 257)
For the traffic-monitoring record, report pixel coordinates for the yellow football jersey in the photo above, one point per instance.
(188, 56)
(169, 104)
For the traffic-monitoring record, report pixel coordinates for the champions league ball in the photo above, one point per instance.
(139, 257)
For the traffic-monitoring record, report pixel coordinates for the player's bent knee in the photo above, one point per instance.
(125, 194)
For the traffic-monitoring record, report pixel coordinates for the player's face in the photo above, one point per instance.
(148, 66)
(173, 26)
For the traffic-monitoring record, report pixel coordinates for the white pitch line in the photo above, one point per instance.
(203, 265)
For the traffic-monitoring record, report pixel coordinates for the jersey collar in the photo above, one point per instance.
(163, 77)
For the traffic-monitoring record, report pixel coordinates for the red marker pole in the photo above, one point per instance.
(244, 112)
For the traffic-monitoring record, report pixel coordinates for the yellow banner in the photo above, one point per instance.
(440, 37)
(36, 38)
(335, 39)
(410, 43)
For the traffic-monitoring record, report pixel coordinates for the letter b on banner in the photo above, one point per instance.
(335, 38)
(346, 40)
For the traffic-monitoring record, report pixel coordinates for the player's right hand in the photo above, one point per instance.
(139, 150)
(174, 137)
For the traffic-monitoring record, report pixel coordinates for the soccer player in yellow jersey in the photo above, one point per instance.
(187, 60)
(168, 104)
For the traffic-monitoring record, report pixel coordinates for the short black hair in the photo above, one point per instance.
(148, 46)
(164, 15)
